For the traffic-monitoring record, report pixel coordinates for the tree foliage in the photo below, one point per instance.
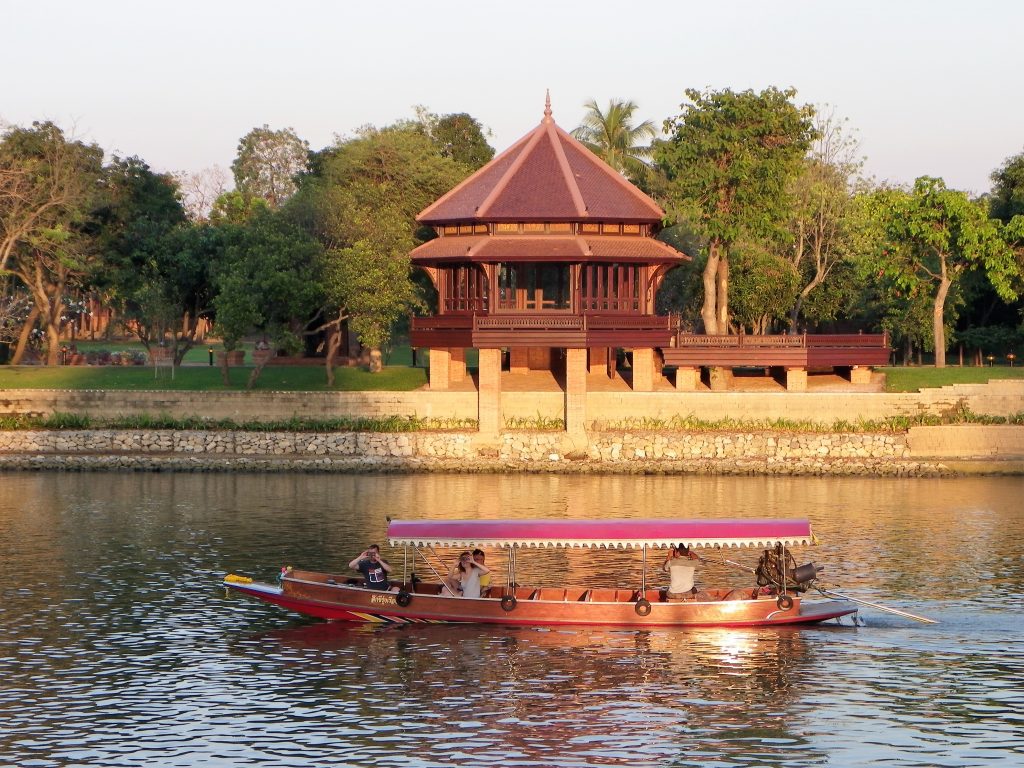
(364, 200)
(825, 226)
(47, 186)
(727, 162)
(267, 282)
(930, 237)
(156, 268)
(461, 137)
(269, 163)
(612, 135)
(1007, 198)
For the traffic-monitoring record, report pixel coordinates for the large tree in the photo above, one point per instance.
(824, 227)
(457, 135)
(46, 245)
(46, 180)
(363, 202)
(156, 266)
(931, 237)
(612, 135)
(267, 282)
(269, 163)
(1007, 198)
(728, 160)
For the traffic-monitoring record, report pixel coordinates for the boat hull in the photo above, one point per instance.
(345, 602)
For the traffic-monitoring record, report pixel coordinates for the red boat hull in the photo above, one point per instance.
(326, 597)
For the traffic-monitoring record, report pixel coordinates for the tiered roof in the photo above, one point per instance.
(545, 176)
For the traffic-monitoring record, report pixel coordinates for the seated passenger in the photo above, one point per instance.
(374, 568)
(681, 567)
(485, 580)
(466, 575)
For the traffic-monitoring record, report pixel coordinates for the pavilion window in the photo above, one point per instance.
(534, 287)
(610, 288)
(466, 290)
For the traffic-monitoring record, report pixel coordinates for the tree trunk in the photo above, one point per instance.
(376, 364)
(261, 363)
(333, 342)
(224, 369)
(708, 311)
(938, 327)
(52, 343)
(23, 337)
(723, 292)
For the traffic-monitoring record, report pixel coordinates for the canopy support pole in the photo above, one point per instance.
(444, 583)
(643, 575)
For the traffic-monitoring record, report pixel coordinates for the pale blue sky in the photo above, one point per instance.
(931, 87)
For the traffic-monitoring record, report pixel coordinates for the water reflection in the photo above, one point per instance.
(117, 648)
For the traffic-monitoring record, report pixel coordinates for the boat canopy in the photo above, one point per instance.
(615, 533)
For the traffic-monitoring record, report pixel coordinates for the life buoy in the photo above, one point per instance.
(642, 607)
(403, 598)
(785, 602)
(508, 603)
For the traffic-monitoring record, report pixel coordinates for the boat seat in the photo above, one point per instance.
(551, 593)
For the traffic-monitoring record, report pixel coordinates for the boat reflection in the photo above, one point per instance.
(532, 691)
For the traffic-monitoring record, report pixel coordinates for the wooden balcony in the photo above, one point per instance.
(542, 329)
(796, 351)
(571, 331)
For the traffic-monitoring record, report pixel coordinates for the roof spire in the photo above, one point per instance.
(547, 106)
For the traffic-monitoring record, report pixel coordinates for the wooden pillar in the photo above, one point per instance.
(643, 369)
(519, 360)
(440, 367)
(575, 390)
(457, 366)
(489, 397)
(687, 379)
(796, 379)
(598, 361)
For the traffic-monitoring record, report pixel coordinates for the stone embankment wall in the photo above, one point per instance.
(662, 452)
(997, 398)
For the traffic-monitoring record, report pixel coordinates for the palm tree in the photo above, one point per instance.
(611, 136)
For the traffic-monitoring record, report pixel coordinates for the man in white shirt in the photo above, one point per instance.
(680, 565)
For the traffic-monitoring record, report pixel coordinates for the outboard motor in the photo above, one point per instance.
(805, 573)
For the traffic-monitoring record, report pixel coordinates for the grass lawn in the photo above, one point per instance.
(400, 354)
(206, 378)
(911, 379)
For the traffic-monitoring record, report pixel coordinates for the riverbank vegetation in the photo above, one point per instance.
(688, 423)
(309, 253)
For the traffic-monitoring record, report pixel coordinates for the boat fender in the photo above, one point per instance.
(642, 607)
(403, 598)
(785, 602)
(508, 603)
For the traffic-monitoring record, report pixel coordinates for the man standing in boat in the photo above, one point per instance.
(681, 566)
(374, 568)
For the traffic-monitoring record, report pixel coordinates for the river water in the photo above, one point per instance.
(118, 647)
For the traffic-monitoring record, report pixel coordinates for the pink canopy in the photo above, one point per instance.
(754, 532)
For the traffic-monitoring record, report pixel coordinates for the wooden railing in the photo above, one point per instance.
(784, 341)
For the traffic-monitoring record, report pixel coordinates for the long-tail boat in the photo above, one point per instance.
(776, 597)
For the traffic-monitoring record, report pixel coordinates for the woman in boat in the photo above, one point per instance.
(480, 558)
(466, 575)
(680, 566)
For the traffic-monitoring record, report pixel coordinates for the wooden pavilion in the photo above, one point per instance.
(549, 253)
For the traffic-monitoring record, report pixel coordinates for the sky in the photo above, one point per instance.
(929, 87)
